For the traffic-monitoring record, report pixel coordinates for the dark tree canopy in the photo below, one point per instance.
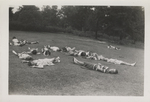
(11, 13)
(120, 21)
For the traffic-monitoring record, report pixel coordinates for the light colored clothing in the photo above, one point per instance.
(73, 53)
(43, 62)
(54, 48)
(16, 42)
(70, 49)
(46, 51)
(115, 61)
(40, 63)
(24, 56)
(97, 67)
(33, 51)
(113, 47)
(101, 57)
(79, 52)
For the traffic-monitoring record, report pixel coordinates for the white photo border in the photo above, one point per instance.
(4, 48)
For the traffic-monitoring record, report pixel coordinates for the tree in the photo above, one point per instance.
(75, 16)
(120, 21)
(97, 19)
(50, 15)
(10, 13)
(29, 15)
(136, 24)
(125, 21)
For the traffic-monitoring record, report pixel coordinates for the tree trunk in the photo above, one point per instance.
(121, 37)
(96, 34)
(134, 41)
(96, 29)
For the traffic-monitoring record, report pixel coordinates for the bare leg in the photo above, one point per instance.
(91, 57)
(129, 64)
(115, 61)
(73, 49)
(40, 67)
(85, 64)
(72, 53)
(25, 61)
(97, 67)
(34, 42)
(27, 52)
(14, 52)
(38, 53)
(78, 62)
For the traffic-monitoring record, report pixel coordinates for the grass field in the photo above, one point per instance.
(66, 78)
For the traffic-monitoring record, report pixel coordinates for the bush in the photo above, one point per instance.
(53, 29)
(69, 30)
(15, 25)
(82, 33)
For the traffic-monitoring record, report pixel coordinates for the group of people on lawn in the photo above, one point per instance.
(47, 50)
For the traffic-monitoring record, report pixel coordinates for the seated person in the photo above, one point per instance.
(23, 56)
(98, 67)
(46, 51)
(16, 42)
(40, 63)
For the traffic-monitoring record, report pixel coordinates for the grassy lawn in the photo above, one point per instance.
(66, 78)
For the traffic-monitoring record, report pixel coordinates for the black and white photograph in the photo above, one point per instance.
(76, 50)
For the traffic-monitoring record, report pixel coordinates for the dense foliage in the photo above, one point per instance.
(120, 21)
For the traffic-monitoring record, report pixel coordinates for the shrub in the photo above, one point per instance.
(53, 29)
(15, 25)
(69, 29)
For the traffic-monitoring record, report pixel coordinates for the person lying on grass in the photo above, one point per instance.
(74, 52)
(113, 47)
(98, 67)
(40, 63)
(33, 51)
(22, 56)
(95, 56)
(32, 42)
(46, 51)
(67, 49)
(16, 42)
(53, 48)
(78, 53)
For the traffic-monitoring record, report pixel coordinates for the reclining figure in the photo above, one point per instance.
(98, 67)
(40, 63)
(46, 51)
(22, 56)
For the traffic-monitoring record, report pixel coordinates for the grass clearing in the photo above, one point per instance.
(66, 78)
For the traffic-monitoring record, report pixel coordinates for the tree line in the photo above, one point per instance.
(119, 21)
